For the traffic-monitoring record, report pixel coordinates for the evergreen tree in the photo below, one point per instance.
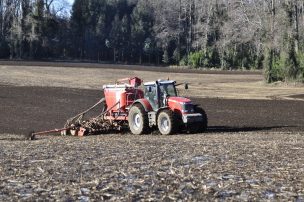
(141, 27)
(115, 37)
(166, 57)
(79, 26)
(223, 34)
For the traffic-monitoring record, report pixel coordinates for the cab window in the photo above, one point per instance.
(168, 89)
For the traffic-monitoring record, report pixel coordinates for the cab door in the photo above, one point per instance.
(152, 96)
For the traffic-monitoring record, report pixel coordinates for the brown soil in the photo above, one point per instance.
(205, 85)
(252, 151)
(123, 67)
(40, 108)
(300, 96)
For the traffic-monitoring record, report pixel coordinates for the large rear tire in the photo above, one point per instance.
(138, 120)
(166, 122)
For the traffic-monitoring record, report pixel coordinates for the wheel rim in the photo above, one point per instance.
(164, 124)
(136, 121)
(73, 132)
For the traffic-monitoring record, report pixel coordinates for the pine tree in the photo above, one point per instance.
(141, 27)
(166, 57)
(79, 23)
(115, 37)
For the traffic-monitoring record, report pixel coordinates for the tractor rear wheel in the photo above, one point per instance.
(138, 120)
(166, 122)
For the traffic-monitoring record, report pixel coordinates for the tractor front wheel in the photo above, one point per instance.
(138, 120)
(166, 122)
(201, 126)
(204, 123)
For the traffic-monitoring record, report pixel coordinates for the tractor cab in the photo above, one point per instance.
(158, 92)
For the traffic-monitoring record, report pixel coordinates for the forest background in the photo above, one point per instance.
(221, 34)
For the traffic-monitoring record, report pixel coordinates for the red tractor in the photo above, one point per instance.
(156, 105)
(127, 104)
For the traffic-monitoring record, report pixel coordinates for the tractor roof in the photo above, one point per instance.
(161, 82)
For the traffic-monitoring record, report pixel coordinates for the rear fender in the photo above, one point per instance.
(145, 103)
(160, 110)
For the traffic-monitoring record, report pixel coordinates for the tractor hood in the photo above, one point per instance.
(180, 100)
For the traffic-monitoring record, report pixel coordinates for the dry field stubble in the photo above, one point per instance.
(239, 166)
(253, 151)
(234, 86)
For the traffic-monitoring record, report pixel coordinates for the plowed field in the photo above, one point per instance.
(252, 150)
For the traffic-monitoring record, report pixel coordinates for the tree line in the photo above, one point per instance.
(226, 34)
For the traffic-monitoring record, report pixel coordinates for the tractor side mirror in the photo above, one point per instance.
(186, 86)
